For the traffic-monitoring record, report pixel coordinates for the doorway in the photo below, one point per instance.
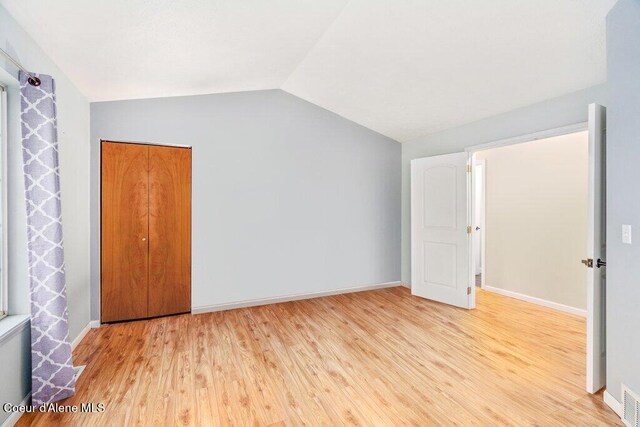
(535, 205)
(442, 213)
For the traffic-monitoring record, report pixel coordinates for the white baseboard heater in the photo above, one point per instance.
(630, 407)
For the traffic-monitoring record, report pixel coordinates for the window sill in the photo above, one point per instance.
(11, 325)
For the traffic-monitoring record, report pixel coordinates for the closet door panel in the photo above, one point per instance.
(169, 230)
(125, 219)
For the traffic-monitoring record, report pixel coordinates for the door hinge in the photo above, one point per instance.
(468, 291)
(468, 229)
(468, 168)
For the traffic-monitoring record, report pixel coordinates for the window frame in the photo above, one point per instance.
(4, 277)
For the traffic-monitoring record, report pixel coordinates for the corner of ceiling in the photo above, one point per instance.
(315, 44)
(283, 86)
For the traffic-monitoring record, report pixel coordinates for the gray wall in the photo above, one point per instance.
(15, 369)
(73, 134)
(554, 113)
(623, 196)
(288, 198)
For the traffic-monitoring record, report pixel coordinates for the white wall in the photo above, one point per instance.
(288, 198)
(623, 197)
(536, 218)
(73, 137)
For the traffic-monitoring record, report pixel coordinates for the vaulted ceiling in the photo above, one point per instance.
(404, 68)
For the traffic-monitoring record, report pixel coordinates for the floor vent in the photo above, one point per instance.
(630, 408)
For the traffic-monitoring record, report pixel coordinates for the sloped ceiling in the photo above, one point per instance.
(404, 68)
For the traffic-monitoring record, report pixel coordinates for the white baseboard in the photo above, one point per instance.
(613, 403)
(406, 285)
(81, 335)
(91, 325)
(15, 416)
(287, 298)
(539, 301)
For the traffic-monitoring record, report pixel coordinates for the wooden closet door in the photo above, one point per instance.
(169, 230)
(125, 225)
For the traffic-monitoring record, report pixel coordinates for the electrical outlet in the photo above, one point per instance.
(626, 234)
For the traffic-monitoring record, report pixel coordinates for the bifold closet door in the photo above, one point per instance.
(146, 231)
(169, 230)
(125, 225)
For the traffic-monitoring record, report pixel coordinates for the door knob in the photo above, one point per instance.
(600, 263)
(477, 228)
(588, 262)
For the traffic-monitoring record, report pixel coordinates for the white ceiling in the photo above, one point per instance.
(121, 49)
(404, 68)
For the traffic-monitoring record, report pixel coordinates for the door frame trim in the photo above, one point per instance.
(549, 133)
(160, 144)
(483, 222)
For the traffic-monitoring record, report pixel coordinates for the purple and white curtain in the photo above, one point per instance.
(52, 373)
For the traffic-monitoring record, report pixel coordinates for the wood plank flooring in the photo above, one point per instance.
(371, 358)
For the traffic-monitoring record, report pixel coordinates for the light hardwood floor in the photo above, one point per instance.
(371, 358)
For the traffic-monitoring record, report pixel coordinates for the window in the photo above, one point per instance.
(3, 204)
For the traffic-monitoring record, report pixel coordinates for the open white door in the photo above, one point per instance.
(596, 255)
(440, 246)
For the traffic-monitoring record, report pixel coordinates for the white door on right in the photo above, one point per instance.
(596, 254)
(478, 214)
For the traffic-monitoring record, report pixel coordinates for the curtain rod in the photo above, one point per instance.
(33, 80)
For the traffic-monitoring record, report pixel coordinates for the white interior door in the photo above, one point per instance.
(478, 215)
(440, 246)
(596, 255)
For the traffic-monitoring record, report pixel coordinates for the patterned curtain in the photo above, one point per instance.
(52, 370)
